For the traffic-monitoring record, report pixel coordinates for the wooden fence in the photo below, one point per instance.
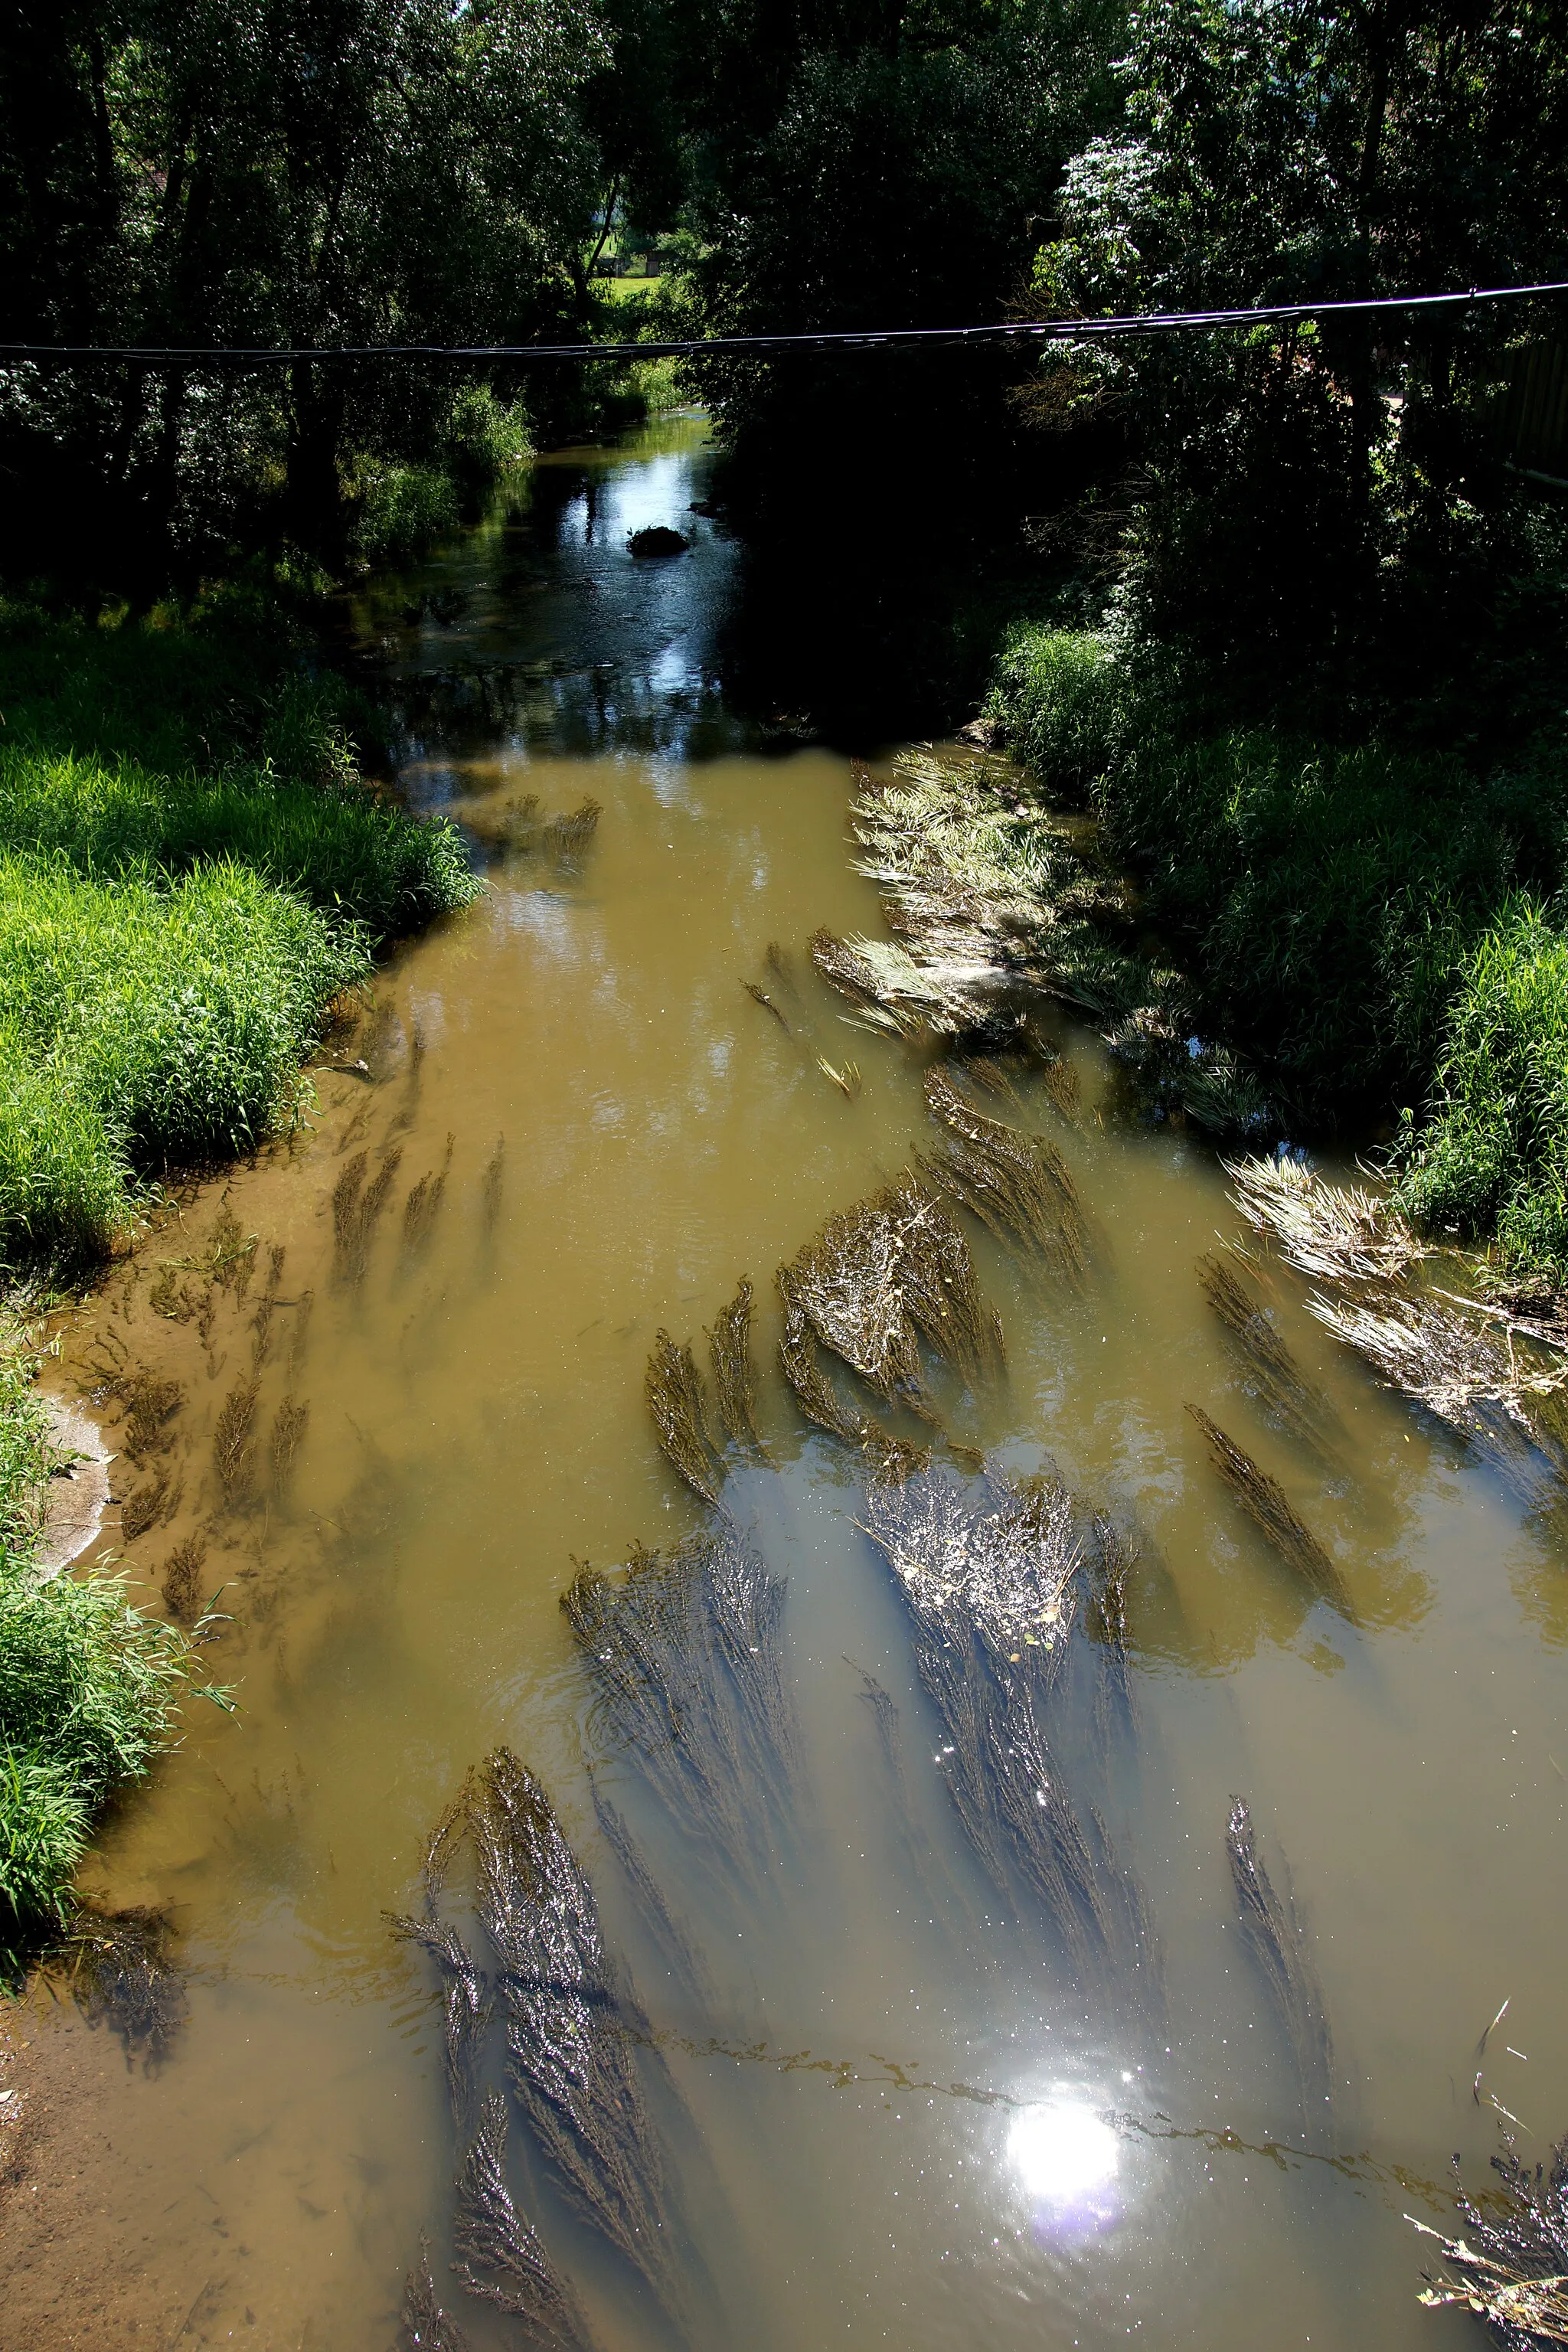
(1533, 414)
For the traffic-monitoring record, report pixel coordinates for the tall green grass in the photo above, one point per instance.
(87, 1684)
(1366, 924)
(189, 873)
(1492, 1155)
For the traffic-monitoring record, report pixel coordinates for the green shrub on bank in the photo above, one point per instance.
(1492, 1155)
(1321, 897)
(1062, 699)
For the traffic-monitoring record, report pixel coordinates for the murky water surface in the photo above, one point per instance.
(891, 2115)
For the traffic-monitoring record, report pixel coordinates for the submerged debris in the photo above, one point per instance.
(1274, 1936)
(886, 1274)
(1511, 2269)
(1017, 1184)
(124, 1974)
(1265, 1504)
(686, 1657)
(1337, 1233)
(426, 2326)
(501, 2258)
(1234, 1292)
(568, 2031)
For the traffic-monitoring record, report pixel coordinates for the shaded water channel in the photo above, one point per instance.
(889, 2110)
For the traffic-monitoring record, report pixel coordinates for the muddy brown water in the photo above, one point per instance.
(892, 2117)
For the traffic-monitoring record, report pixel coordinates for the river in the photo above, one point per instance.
(890, 2114)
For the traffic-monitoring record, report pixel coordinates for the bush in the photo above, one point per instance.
(401, 511)
(1492, 1153)
(1062, 699)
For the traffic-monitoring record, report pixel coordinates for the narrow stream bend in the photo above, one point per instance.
(885, 2062)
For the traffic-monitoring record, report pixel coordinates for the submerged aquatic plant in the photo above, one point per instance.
(1234, 1292)
(989, 1593)
(233, 1457)
(686, 1655)
(466, 2004)
(1511, 2269)
(1017, 1184)
(122, 1970)
(569, 2029)
(357, 1205)
(426, 2327)
(1460, 1367)
(882, 1276)
(673, 1388)
(566, 836)
(182, 1580)
(890, 991)
(1267, 1504)
(501, 2257)
(681, 1954)
(734, 1381)
(1274, 1936)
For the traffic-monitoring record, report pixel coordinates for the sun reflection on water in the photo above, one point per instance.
(1066, 2159)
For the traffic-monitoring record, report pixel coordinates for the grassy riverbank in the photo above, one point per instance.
(1374, 929)
(190, 871)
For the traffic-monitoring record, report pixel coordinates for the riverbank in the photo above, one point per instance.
(192, 872)
(1373, 931)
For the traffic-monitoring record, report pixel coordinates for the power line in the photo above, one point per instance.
(1011, 331)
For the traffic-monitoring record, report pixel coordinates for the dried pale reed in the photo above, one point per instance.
(1337, 1233)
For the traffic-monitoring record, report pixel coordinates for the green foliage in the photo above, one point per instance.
(1320, 897)
(169, 936)
(401, 511)
(87, 1684)
(1059, 693)
(87, 1690)
(1492, 1153)
(145, 1024)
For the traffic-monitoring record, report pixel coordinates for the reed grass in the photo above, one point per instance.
(500, 2256)
(565, 837)
(1510, 2268)
(1019, 1185)
(1267, 1504)
(1274, 1936)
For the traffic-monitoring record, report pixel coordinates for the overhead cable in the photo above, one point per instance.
(1009, 330)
